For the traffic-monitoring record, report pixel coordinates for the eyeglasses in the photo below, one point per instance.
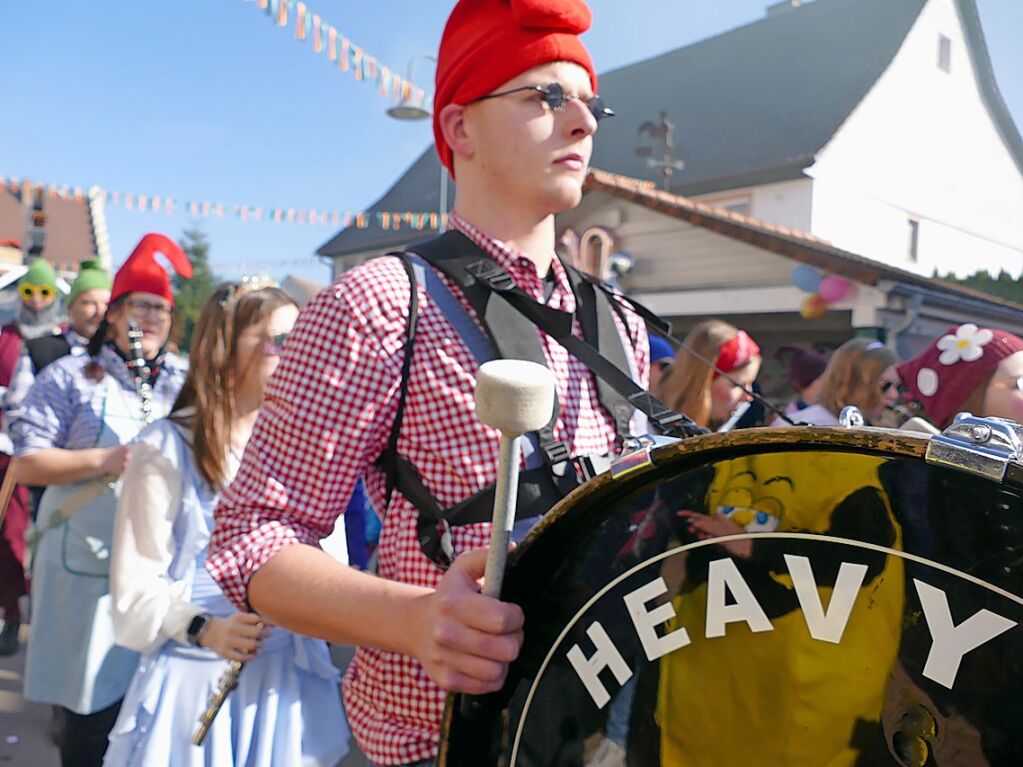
(887, 386)
(29, 291)
(142, 308)
(272, 346)
(555, 97)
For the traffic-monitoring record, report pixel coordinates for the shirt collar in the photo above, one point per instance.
(507, 257)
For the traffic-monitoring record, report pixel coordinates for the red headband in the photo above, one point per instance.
(736, 352)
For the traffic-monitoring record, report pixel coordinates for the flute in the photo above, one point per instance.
(140, 371)
(217, 698)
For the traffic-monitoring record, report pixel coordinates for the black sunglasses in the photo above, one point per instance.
(555, 97)
(886, 386)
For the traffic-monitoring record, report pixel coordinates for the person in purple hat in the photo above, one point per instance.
(805, 370)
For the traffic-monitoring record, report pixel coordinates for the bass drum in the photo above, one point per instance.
(771, 597)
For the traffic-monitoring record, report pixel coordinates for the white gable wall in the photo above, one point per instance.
(787, 203)
(922, 145)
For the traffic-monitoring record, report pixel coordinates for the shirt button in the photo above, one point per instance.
(524, 262)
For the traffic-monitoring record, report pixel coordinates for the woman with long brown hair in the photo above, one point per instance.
(168, 608)
(700, 391)
(861, 373)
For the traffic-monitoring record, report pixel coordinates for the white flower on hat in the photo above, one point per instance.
(966, 345)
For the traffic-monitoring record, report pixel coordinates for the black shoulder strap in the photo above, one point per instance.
(511, 335)
(390, 456)
(596, 313)
(46, 349)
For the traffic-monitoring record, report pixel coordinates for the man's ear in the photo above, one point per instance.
(453, 127)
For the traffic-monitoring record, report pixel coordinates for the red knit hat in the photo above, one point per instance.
(946, 373)
(142, 273)
(488, 42)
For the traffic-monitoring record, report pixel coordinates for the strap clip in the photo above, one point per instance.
(491, 275)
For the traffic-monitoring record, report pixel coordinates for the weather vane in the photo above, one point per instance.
(662, 132)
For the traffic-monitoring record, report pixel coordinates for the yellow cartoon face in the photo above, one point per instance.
(754, 505)
(787, 491)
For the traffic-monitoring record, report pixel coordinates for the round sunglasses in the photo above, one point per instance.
(554, 96)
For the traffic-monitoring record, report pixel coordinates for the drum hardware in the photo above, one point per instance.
(636, 459)
(981, 446)
(851, 418)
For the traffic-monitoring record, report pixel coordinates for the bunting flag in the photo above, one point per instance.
(167, 205)
(322, 36)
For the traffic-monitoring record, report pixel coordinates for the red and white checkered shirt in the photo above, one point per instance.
(326, 419)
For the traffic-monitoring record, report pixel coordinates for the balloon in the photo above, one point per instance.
(813, 307)
(806, 278)
(834, 288)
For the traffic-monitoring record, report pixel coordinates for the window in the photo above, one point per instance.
(914, 239)
(741, 204)
(944, 54)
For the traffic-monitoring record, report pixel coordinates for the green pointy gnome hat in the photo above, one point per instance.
(91, 275)
(40, 272)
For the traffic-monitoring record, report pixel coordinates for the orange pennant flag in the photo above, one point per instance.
(300, 21)
(332, 43)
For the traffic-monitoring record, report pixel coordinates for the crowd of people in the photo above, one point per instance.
(180, 503)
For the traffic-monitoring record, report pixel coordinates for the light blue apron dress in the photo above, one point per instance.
(286, 709)
(72, 660)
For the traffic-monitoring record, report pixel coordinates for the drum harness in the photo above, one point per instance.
(507, 330)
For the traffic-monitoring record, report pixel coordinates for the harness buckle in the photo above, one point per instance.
(492, 275)
(556, 452)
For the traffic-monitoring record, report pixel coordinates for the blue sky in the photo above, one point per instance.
(208, 100)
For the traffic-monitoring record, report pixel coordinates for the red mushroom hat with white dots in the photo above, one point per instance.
(944, 375)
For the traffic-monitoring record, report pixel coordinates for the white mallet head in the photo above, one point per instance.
(514, 396)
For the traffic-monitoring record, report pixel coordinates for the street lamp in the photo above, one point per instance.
(411, 109)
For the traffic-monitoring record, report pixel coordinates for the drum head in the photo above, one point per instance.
(792, 597)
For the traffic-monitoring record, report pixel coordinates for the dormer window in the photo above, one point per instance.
(944, 53)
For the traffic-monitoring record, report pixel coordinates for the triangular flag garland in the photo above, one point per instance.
(25, 189)
(323, 37)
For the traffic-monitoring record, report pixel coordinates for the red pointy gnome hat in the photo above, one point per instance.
(142, 273)
(488, 42)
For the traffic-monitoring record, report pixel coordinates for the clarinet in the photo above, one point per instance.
(140, 371)
(217, 698)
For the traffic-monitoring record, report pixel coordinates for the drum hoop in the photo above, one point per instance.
(713, 542)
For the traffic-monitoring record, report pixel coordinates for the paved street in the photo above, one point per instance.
(24, 736)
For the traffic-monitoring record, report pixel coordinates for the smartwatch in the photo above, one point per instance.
(197, 627)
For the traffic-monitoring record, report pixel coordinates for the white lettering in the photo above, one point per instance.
(827, 627)
(722, 573)
(645, 621)
(606, 656)
(952, 642)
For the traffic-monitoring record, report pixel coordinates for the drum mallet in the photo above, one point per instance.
(514, 397)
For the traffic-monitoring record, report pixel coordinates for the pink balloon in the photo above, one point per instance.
(834, 288)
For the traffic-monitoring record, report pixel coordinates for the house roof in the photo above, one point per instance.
(750, 106)
(791, 243)
(70, 229)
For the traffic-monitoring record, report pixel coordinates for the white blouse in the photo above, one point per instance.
(148, 607)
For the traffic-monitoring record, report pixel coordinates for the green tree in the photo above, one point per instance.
(190, 295)
(1003, 285)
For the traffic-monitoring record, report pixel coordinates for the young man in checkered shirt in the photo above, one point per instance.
(514, 120)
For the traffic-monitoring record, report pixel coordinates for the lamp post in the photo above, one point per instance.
(411, 110)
